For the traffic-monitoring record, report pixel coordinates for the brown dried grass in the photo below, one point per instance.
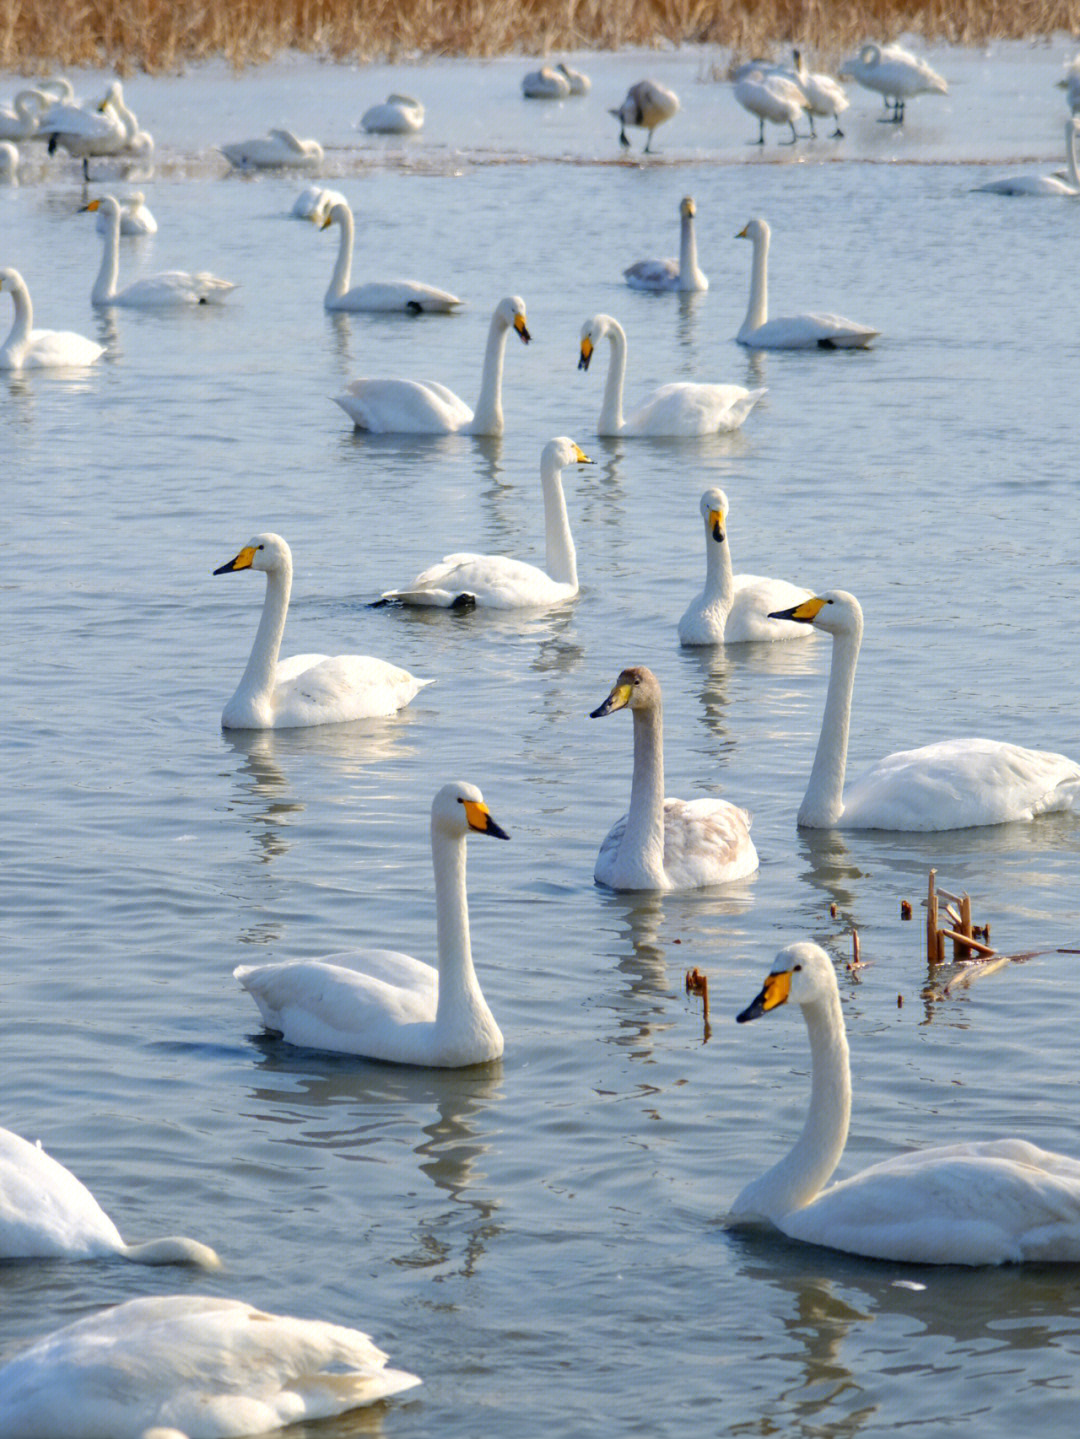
(157, 36)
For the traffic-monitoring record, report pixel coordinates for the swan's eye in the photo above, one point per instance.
(260, 547)
(797, 969)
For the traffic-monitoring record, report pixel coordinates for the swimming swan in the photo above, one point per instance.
(734, 609)
(419, 407)
(280, 149)
(397, 115)
(135, 218)
(953, 784)
(166, 1367)
(999, 1201)
(681, 274)
(1044, 184)
(306, 689)
(774, 97)
(681, 408)
(792, 332)
(170, 287)
(467, 581)
(26, 348)
(893, 71)
(647, 104)
(666, 843)
(407, 296)
(46, 1213)
(384, 1005)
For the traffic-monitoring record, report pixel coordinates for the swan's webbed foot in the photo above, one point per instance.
(837, 134)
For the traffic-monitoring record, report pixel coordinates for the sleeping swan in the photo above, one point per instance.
(681, 408)
(953, 784)
(666, 843)
(384, 1005)
(419, 407)
(165, 1367)
(792, 332)
(409, 297)
(26, 348)
(306, 689)
(997, 1201)
(682, 274)
(46, 1213)
(279, 149)
(170, 287)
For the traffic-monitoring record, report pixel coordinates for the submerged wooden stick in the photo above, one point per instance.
(931, 921)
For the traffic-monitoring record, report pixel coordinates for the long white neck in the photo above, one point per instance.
(640, 861)
(1070, 155)
(611, 414)
(128, 122)
(561, 558)
(801, 1175)
(19, 333)
(461, 1004)
(758, 310)
(339, 281)
(690, 277)
(173, 1250)
(823, 803)
(105, 284)
(255, 691)
(719, 590)
(488, 415)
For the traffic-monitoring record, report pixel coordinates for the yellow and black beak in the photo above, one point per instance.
(325, 223)
(241, 562)
(587, 348)
(716, 525)
(805, 612)
(580, 456)
(522, 329)
(479, 817)
(774, 992)
(93, 205)
(741, 234)
(618, 699)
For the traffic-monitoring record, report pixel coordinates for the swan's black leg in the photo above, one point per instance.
(794, 134)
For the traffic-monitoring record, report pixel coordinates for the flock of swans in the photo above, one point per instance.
(166, 1368)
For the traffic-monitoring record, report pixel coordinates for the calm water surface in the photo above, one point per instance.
(542, 1239)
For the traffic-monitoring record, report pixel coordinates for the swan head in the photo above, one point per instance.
(755, 230)
(714, 509)
(592, 332)
(637, 688)
(510, 314)
(459, 809)
(107, 204)
(834, 611)
(12, 282)
(262, 552)
(802, 972)
(560, 452)
(330, 211)
(687, 209)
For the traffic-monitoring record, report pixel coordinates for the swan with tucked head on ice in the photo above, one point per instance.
(397, 115)
(774, 97)
(277, 150)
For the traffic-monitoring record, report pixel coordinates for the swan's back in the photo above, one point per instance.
(755, 597)
(684, 408)
(45, 1212)
(706, 841)
(404, 407)
(812, 331)
(331, 689)
(497, 582)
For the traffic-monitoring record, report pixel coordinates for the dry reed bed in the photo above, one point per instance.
(163, 35)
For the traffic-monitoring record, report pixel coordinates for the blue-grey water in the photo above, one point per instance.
(542, 1239)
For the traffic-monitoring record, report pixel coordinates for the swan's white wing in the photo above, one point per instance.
(756, 597)
(45, 1212)
(174, 287)
(493, 581)
(403, 407)
(1028, 185)
(325, 689)
(692, 409)
(821, 331)
(653, 275)
(706, 841)
(390, 296)
(54, 348)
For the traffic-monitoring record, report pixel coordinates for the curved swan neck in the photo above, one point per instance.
(823, 803)
(758, 310)
(643, 838)
(105, 284)
(690, 277)
(459, 992)
(339, 281)
(256, 686)
(20, 330)
(611, 412)
(1070, 155)
(560, 555)
(488, 415)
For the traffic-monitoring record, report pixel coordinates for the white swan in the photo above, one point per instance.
(580, 84)
(313, 202)
(177, 1365)
(681, 408)
(27, 348)
(680, 274)
(397, 115)
(280, 149)
(816, 331)
(895, 74)
(1000, 1201)
(170, 287)
(667, 843)
(136, 142)
(135, 217)
(424, 407)
(409, 297)
(954, 784)
(1070, 83)
(9, 163)
(824, 95)
(735, 609)
(468, 581)
(647, 104)
(547, 83)
(774, 97)
(388, 1006)
(46, 1213)
(19, 121)
(82, 133)
(1044, 184)
(306, 689)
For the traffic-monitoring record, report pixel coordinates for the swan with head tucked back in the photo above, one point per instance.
(681, 274)
(1000, 1201)
(179, 1365)
(774, 97)
(735, 609)
(424, 407)
(28, 349)
(547, 83)
(1043, 184)
(816, 331)
(277, 150)
(46, 1213)
(170, 287)
(384, 1005)
(397, 115)
(306, 689)
(953, 784)
(667, 843)
(647, 104)
(895, 73)
(407, 297)
(495, 582)
(681, 408)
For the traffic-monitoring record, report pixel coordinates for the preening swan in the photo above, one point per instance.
(680, 274)
(997, 1201)
(26, 348)
(280, 149)
(466, 581)
(170, 287)
(681, 408)
(816, 331)
(424, 407)
(179, 1365)
(547, 83)
(647, 104)
(823, 94)
(410, 297)
(667, 843)
(734, 609)
(135, 217)
(315, 202)
(1044, 184)
(580, 84)
(384, 1005)
(397, 115)
(895, 74)
(774, 97)
(954, 784)
(9, 163)
(46, 1213)
(306, 689)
